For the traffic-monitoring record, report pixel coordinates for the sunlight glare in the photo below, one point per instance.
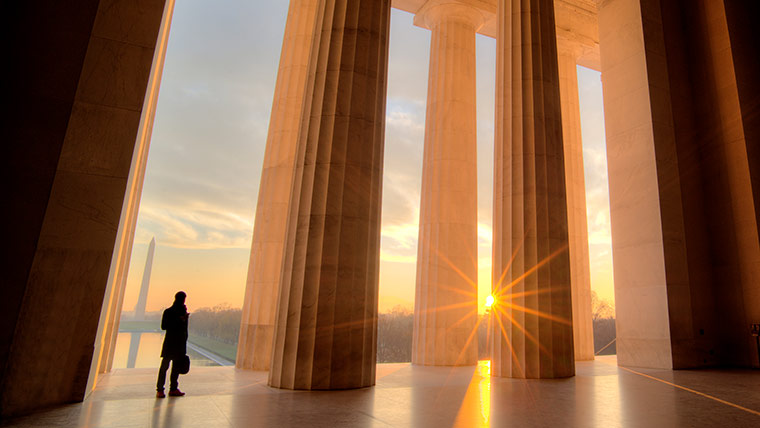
(489, 301)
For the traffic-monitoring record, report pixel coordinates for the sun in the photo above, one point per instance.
(489, 301)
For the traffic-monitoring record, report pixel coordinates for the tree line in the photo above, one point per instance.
(394, 335)
(220, 323)
(603, 318)
(394, 329)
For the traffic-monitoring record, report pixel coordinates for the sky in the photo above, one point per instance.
(201, 184)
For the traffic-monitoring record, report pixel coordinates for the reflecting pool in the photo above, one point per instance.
(143, 350)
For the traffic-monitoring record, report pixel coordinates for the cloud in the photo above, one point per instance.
(408, 58)
(399, 243)
(403, 118)
(400, 219)
(402, 236)
(196, 227)
(597, 197)
(387, 256)
(211, 126)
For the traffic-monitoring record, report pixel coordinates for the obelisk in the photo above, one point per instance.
(142, 300)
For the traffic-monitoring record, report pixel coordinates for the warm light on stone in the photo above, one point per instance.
(681, 90)
(268, 245)
(445, 307)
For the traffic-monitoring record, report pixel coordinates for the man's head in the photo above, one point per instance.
(180, 297)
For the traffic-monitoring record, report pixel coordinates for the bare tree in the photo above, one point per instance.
(603, 316)
(220, 323)
(601, 308)
(394, 336)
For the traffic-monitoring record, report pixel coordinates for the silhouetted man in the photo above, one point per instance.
(174, 321)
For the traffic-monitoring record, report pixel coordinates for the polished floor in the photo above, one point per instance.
(600, 395)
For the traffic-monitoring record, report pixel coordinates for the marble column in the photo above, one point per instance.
(110, 314)
(326, 324)
(258, 318)
(445, 312)
(682, 211)
(575, 185)
(532, 328)
(641, 161)
(75, 132)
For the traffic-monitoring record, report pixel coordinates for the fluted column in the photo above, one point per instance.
(447, 262)
(532, 331)
(575, 184)
(326, 325)
(258, 318)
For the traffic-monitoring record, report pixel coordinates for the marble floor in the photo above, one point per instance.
(600, 395)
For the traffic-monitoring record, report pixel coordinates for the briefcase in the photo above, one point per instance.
(183, 364)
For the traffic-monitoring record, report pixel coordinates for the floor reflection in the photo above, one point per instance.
(476, 405)
(600, 395)
(134, 345)
(484, 371)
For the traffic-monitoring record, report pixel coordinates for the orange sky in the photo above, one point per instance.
(208, 143)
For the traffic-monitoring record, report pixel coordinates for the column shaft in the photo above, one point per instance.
(575, 184)
(639, 163)
(682, 209)
(258, 318)
(532, 330)
(110, 315)
(447, 263)
(73, 132)
(326, 325)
